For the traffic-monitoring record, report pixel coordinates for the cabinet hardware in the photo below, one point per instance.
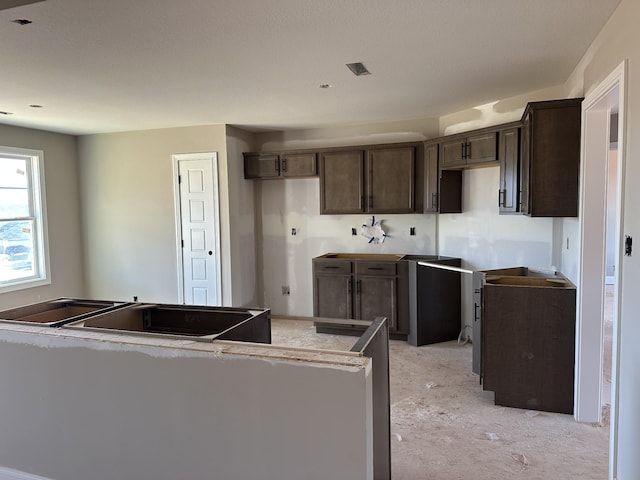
(434, 200)
(375, 268)
(284, 164)
(349, 287)
(358, 286)
(331, 266)
(502, 198)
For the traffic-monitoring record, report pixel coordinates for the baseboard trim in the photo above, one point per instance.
(10, 474)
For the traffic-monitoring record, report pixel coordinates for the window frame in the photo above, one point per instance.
(38, 213)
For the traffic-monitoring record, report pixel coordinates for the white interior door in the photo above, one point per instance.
(198, 229)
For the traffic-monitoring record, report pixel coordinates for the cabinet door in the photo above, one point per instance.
(450, 191)
(509, 156)
(261, 166)
(452, 153)
(390, 173)
(332, 296)
(431, 178)
(554, 158)
(299, 165)
(376, 297)
(482, 148)
(525, 164)
(342, 182)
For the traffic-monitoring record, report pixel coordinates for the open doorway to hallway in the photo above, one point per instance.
(610, 258)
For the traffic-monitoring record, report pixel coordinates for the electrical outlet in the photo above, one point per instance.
(135, 298)
(354, 232)
(412, 231)
(294, 231)
(286, 290)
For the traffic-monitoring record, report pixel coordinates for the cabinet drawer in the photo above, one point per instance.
(332, 266)
(376, 268)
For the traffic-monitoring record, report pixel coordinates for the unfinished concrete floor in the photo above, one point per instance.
(443, 426)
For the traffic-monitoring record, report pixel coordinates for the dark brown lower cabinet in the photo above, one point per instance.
(360, 290)
(528, 341)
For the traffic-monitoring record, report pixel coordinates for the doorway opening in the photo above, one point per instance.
(600, 207)
(197, 228)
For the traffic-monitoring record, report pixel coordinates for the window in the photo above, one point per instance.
(23, 241)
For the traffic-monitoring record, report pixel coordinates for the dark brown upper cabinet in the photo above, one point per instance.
(550, 161)
(442, 188)
(379, 179)
(509, 156)
(299, 164)
(280, 165)
(391, 180)
(258, 165)
(342, 182)
(468, 149)
(431, 200)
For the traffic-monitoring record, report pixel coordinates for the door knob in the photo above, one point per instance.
(210, 252)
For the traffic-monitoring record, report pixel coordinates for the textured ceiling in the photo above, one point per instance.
(102, 66)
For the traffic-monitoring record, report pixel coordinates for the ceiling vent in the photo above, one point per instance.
(358, 69)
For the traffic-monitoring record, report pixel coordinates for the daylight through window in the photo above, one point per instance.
(22, 235)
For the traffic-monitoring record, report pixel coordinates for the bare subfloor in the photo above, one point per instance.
(443, 426)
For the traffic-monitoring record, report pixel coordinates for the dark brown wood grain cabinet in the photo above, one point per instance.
(332, 289)
(550, 158)
(391, 180)
(342, 182)
(299, 164)
(469, 149)
(258, 165)
(360, 290)
(509, 157)
(528, 341)
(280, 165)
(379, 179)
(431, 178)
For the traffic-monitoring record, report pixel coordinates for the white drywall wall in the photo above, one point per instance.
(295, 203)
(129, 219)
(63, 212)
(79, 409)
(619, 40)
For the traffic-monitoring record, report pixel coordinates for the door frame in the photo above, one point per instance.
(589, 332)
(213, 158)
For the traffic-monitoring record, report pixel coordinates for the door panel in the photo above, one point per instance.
(342, 182)
(391, 180)
(199, 227)
(377, 297)
(333, 296)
